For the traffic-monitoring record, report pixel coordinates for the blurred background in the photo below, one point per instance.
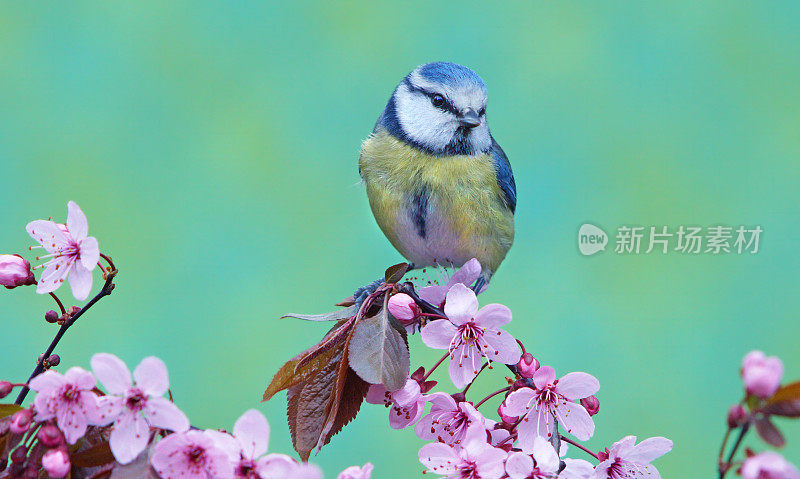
(213, 147)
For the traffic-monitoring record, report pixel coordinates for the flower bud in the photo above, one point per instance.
(5, 388)
(53, 360)
(591, 404)
(15, 271)
(404, 308)
(73, 310)
(21, 421)
(51, 316)
(527, 365)
(736, 416)
(56, 463)
(19, 455)
(761, 374)
(50, 436)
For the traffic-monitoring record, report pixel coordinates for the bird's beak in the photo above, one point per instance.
(469, 118)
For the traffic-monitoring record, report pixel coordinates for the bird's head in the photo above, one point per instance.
(440, 108)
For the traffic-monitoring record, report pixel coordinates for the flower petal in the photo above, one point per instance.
(107, 409)
(252, 432)
(129, 437)
(90, 252)
(517, 403)
(439, 458)
(48, 234)
(112, 373)
(151, 375)
(504, 348)
(465, 362)
(82, 378)
(493, 316)
(649, 449)
(467, 274)
(227, 444)
(519, 465)
(461, 304)
(378, 394)
(47, 381)
(80, 280)
(578, 385)
(54, 275)
(433, 294)
(546, 458)
(543, 376)
(576, 469)
(72, 422)
(275, 466)
(77, 225)
(438, 334)
(575, 420)
(162, 413)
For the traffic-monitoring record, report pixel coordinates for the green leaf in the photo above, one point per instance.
(378, 351)
(337, 315)
(395, 273)
(9, 409)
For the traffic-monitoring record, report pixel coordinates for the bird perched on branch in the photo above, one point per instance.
(439, 185)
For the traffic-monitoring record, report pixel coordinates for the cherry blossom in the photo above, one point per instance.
(436, 294)
(447, 421)
(56, 463)
(407, 404)
(626, 459)
(15, 271)
(475, 459)
(471, 334)
(247, 447)
(768, 465)
(190, 454)
(73, 254)
(68, 398)
(761, 374)
(134, 407)
(356, 472)
(544, 462)
(551, 398)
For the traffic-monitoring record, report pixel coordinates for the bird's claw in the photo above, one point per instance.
(363, 292)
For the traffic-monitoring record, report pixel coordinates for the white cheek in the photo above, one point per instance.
(481, 140)
(423, 122)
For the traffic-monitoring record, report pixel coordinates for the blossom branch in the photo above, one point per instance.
(108, 287)
(579, 446)
(60, 305)
(499, 391)
(724, 468)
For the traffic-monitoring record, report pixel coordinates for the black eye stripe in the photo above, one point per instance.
(447, 106)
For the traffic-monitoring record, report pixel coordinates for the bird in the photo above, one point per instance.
(439, 185)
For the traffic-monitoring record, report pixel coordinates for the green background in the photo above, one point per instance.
(213, 148)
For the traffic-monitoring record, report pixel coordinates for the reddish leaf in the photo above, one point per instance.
(8, 409)
(769, 433)
(94, 456)
(395, 273)
(378, 352)
(785, 402)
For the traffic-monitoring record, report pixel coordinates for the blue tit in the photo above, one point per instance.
(439, 185)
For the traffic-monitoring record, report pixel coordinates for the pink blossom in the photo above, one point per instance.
(56, 463)
(577, 469)
(549, 399)
(471, 334)
(476, 459)
(768, 465)
(304, 471)
(404, 309)
(15, 271)
(542, 463)
(436, 294)
(190, 454)
(135, 407)
(68, 398)
(625, 458)
(448, 421)
(407, 404)
(73, 253)
(355, 472)
(761, 374)
(247, 447)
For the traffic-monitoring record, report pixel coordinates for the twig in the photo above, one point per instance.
(60, 305)
(579, 446)
(473, 379)
(724, 468)
(107, 288)
(439, 362)
(499, 391)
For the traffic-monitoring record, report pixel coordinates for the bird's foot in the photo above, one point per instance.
(361, 293)
(480, 283)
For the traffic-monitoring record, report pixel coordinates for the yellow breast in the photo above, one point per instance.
(465, 212)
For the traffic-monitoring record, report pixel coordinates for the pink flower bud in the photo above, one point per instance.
(736, 416)
(56, 462)
(591, 404)
(19, 455)
(51, 316)
(761, 374)
(403, 307)
(21, 421)
(50, 436)
(527, 365)
(5, 388)
(15, 271)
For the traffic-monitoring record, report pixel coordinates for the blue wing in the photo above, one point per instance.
(505, 177)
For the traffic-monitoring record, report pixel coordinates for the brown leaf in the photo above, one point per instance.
(785, 402)
(395, 273)
(94, 456)
(769, 433)
(378, 352)
(355, 390)
(9, 409)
